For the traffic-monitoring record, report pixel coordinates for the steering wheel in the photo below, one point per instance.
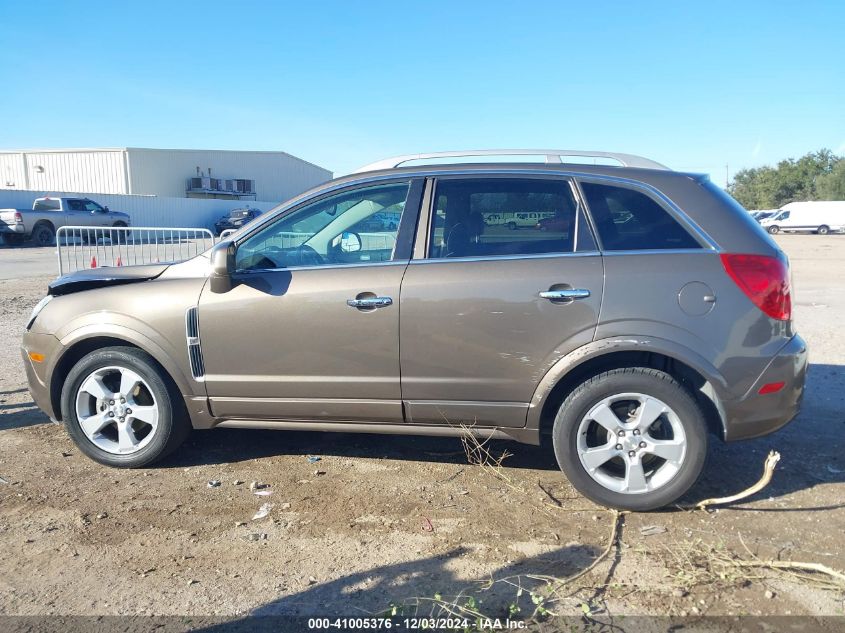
(306, 256)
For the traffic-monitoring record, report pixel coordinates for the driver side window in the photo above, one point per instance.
(352, 227)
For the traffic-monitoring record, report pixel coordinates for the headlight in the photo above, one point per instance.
(38, 308)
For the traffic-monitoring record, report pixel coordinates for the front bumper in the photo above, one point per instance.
(757, 414)
(38, 374)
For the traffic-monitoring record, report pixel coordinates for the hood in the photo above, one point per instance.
(106, 276)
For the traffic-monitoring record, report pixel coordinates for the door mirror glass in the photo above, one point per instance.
(350, 242)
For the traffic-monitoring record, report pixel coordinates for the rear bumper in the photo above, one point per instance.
(16, 229)
(758, 414)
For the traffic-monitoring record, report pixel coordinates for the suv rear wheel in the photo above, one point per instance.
(43, 234)
(631, 438)
(119, 409)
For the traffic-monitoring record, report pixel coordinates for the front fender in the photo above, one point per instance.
(167, 358)
(610, 345)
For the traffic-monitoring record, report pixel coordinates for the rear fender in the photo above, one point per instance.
(602, 347)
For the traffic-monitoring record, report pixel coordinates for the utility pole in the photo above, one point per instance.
(726, 175)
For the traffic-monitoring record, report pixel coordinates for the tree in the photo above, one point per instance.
(831, 186)
(772, 187)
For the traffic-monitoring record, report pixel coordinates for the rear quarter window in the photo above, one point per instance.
(47, 205)
(626, 219)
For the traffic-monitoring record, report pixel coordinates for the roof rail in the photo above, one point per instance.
(552, 156)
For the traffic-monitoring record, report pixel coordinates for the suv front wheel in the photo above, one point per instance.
(119, 409)
(631, 438)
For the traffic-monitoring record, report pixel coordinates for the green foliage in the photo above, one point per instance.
(815, 176)
(831, 186)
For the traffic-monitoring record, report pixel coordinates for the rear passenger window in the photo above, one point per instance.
(499, 216)
(630, 220)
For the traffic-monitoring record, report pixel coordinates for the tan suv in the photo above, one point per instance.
(635, 311)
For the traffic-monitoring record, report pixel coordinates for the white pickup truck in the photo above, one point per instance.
(48, 214)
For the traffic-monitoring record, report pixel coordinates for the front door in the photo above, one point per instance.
(310, 329)
(488, 307)
(99, 216)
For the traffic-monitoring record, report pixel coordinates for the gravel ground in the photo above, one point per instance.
(382, 519)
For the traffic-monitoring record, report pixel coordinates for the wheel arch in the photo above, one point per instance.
(78, 346)
(46, 223)
(702, 379)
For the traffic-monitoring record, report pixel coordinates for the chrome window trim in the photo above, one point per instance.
(299, 201)
(316, 198)
(409, 174)
(258, 271)
(658, 251)
(665, 202)
(487, 258)
(429, 210)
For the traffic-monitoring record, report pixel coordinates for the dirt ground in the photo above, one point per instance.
(383, 520)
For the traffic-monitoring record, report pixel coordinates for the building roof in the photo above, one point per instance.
(79, 150)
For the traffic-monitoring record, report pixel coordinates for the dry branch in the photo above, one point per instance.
(792, 565)
(768, 470)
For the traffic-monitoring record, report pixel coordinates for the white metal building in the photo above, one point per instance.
(176, 173)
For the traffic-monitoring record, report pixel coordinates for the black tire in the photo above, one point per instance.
(774, 229)
(43, 234)
(511, 226)
(650, 382)
(824, 229)
(173, 424)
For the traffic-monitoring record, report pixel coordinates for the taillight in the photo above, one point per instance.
(18, 217)
(764, 280)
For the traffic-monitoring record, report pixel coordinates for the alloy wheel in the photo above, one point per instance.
(631, 443)
(116, 410)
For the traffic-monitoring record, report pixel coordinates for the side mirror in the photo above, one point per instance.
(350, 242)
(106, 209)
(222, 265)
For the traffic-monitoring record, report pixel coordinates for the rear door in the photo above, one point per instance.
(487, 308)
(76, 214)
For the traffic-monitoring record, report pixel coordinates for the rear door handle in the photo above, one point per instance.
(567, 294)
(370, 302)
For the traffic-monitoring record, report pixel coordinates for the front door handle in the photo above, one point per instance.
(370, 302)
(565, 294)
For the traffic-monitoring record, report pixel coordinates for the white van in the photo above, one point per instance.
(820, 217)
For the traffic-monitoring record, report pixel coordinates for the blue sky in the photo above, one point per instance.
(693, 85)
